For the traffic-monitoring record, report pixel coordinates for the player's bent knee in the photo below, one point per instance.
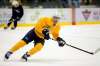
(23, 41)
(26, 40)
(39, 46)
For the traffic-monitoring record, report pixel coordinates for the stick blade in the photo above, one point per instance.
(97, 50)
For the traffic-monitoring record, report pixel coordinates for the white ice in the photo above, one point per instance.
(85, 37)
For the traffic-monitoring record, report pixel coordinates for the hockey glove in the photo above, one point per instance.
(61, 42)
(46, 34)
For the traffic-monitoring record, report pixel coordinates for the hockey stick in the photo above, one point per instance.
(92, 53)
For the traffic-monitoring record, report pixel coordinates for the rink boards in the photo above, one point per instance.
(80, 16)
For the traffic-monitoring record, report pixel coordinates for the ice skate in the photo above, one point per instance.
(7, 55)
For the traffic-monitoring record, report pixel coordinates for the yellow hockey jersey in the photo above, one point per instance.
(46, 22)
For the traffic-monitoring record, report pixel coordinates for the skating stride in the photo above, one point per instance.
(39, 34)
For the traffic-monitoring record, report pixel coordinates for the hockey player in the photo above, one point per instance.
(39, 34)
(17, 13)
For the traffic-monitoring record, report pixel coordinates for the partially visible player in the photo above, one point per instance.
(17, 13)
(39, 34)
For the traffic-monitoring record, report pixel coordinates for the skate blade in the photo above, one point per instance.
(5, 59)
(23, 60)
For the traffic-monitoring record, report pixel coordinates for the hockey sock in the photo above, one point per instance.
(15, 24)
(34, 50)
(18, 45)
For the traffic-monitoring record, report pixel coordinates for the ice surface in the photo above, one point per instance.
(86, 37)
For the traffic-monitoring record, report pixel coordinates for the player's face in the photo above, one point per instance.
(55, 20)
(16, 5)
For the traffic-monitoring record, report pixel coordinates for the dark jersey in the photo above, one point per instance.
(17, 11)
